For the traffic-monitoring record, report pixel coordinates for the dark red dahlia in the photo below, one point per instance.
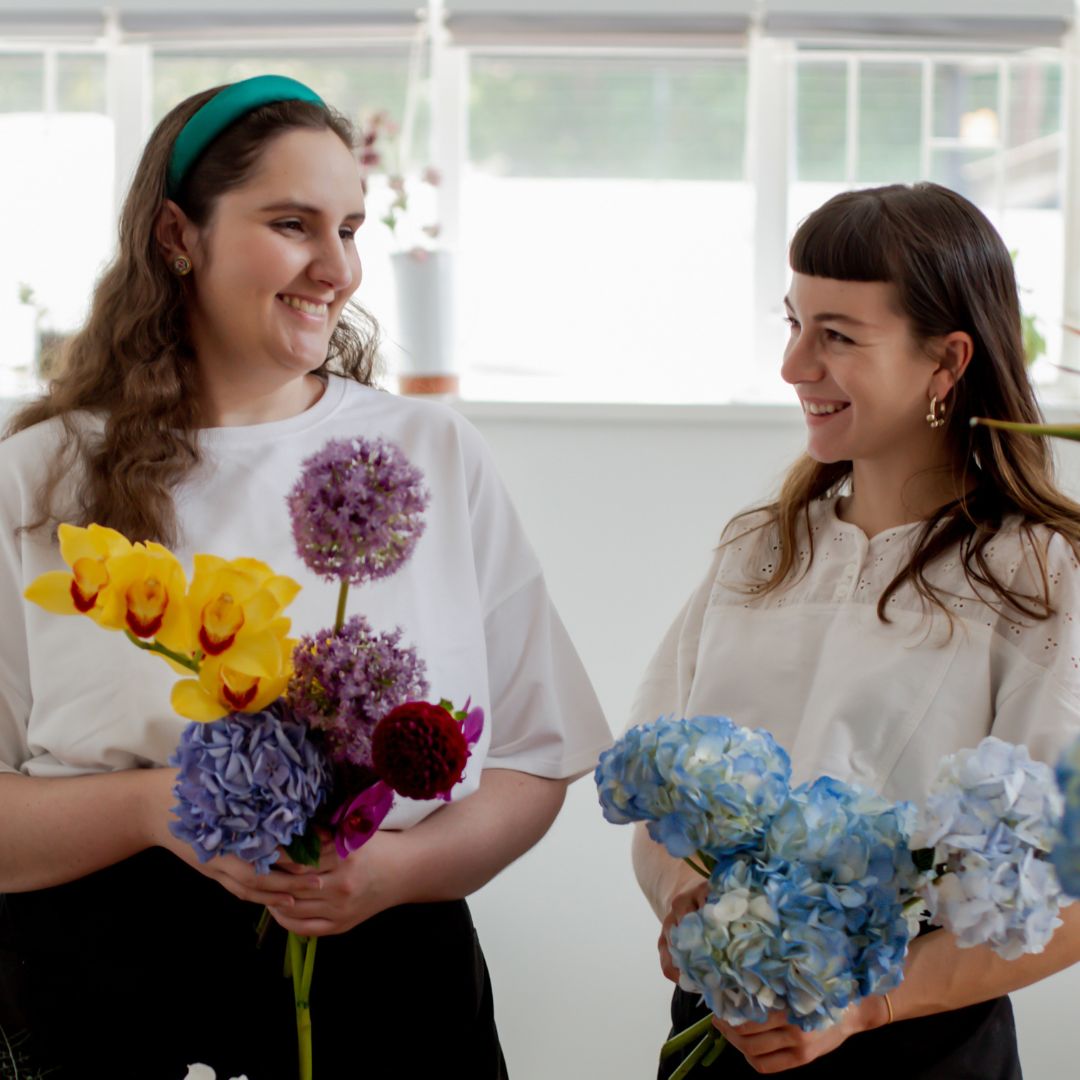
(420, 750)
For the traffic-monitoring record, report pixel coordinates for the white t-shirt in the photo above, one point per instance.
(75, 698)
(855, 698)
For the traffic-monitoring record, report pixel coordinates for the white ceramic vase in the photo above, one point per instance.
(425, 300)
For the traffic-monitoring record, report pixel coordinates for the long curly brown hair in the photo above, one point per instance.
(952, 271)
(133, 362)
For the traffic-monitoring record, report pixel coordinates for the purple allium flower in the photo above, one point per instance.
(247, 784)
(345, 682)
(357, 510)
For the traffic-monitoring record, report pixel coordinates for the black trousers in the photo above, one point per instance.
(145, 967)
(974, 1043)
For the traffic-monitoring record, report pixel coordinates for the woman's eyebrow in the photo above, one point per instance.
(307, 208)
(830, 316)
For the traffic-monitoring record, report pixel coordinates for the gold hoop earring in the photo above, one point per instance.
(936, 416)
(181, 266)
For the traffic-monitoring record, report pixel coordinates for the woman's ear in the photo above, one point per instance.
(954, 352)
(174, 233)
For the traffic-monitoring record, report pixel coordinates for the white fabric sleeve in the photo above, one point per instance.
(1038, 702)
(545, 717)
(665, 687)
(15, 698)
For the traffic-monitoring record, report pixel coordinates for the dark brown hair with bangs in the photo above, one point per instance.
(952, 272)
(133, 362)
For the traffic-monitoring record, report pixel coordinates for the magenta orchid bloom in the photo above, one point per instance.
(357, 821)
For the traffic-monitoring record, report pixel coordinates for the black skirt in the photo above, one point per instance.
(143, 968)
(973, 1043)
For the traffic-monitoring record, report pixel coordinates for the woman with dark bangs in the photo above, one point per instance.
(914, 588)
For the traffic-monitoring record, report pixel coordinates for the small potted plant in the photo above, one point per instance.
(423, 272)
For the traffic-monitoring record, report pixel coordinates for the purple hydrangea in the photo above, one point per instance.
(357, 510)
(344, 682)
(247, 784)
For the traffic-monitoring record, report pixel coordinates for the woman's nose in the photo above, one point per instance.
(332, 265)
(800, 363)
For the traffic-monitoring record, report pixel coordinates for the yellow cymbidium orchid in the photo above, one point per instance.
(146, 597)
(83, 590)
(221, 688)
(234, 608)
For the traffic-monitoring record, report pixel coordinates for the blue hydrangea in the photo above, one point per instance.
(857, 845)
(247, 784)
(991, 819)
(770, 937)
(1066, 849)
(703, 784)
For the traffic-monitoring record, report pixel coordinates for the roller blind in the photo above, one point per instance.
(477, 20)
(140, 16)
(1021, 23)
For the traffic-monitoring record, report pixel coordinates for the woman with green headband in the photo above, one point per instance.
(217, 356)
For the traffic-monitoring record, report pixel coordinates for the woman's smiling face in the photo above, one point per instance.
(277, 261)
(863, 380)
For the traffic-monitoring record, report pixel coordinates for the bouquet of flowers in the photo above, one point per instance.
(815, 891)
(290, 742)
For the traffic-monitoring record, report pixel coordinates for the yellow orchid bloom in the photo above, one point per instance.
(84, 590)
(146, 594)
(220, 688)
(234, 608)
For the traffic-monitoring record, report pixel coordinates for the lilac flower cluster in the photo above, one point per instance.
(247, 784)
(703, 784)
(991, 820)
(357, 510)
(1066, 851)
(345, 682)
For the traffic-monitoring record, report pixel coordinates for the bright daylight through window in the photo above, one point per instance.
(617, 193)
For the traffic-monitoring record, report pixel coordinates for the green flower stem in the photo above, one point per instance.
(153, 646)
(719, 1042)
(296, 965)
(1061, 431)
(309, 969)
(686, 1037)
(694, 866)
(262, 928)
(339, 621)
(693, 1058)
(300, 967)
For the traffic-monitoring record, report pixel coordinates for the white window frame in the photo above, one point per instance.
(769, 157)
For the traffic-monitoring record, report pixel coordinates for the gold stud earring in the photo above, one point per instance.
(936, 416)
(181, 265)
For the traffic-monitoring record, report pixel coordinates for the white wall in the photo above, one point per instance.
(623, 507)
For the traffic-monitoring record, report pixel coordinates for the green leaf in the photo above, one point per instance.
(923, 859)
(306, 849)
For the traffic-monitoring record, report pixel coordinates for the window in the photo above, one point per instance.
(52, 113)
(989, 127)
(606, 227)
(619, 202)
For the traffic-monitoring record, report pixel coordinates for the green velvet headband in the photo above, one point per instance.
(225, 107)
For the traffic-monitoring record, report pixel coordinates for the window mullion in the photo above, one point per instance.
(771, 65)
